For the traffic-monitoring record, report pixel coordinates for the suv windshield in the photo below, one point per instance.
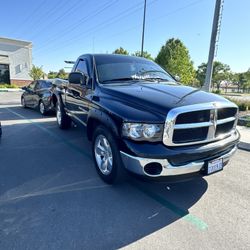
(45, 84)
(125, 68)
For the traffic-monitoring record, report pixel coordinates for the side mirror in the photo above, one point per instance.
(177, 78)
(24, 88)
(77, 78)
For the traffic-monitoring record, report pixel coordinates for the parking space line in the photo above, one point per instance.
(73, 146)
(175, 209)
(201, 225)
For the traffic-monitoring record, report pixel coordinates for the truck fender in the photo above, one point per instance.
(99, 117)
(57, 97)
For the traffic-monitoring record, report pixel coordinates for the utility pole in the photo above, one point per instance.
(209, 71)
(143, 27)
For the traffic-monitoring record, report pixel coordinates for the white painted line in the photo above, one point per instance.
(38, 120)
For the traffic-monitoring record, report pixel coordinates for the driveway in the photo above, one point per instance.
(52, 198)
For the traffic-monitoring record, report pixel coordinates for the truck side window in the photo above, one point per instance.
(82, 67)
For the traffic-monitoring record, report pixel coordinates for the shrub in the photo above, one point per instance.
(217, 91)
(8, 86)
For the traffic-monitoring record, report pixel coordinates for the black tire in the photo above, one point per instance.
(118, 172)
(23, 102)
(64, 121)
(43, 110)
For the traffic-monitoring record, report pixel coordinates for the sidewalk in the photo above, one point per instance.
(10, 90)
(245, 137)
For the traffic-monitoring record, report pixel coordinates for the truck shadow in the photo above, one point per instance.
(52, 198)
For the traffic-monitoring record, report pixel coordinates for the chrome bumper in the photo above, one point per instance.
(137, 164)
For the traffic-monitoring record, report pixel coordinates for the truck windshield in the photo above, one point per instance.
(126, 68)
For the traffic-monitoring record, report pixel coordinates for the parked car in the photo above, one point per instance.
(39, 95)
(140, 119)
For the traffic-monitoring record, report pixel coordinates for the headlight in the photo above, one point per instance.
(142, 132)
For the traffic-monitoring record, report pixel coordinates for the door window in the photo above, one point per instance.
(82, 67)
(32, 85)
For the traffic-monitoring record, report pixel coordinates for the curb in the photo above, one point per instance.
(244, 146)
(243, 121)
(10, 90)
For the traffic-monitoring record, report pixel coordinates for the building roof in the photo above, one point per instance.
(15, 42)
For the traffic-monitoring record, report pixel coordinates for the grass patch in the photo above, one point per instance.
(242, 104)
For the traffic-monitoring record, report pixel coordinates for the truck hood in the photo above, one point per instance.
(159, 97)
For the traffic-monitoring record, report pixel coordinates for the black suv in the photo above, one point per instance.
(140, 119)
(39, 95)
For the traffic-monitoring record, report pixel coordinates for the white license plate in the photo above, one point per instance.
(214, 166)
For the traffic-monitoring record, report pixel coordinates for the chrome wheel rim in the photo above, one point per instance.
(103, 154)
(42, 108)
(59, 115)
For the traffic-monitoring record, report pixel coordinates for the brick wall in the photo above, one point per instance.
(20, 83)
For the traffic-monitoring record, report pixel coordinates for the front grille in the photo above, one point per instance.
(190, 135)
(224, 128)
(191, 117)
(224, 113)
(199, 123)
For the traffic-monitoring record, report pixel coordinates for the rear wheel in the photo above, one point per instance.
(23, 102)
(63, 120)
(107, 156)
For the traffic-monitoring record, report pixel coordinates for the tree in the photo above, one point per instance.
(145, 55)
(175, 58)
(242, 80)
(36, 72)
(62, 74)
(52, 74)
(121, 51)
(221, 72)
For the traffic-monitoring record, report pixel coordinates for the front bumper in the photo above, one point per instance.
(138, 165)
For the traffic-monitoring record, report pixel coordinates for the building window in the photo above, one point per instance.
(18, 69)
(4, 73)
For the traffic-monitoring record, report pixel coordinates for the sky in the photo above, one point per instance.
(64, 29)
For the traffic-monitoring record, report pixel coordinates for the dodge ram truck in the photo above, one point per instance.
(140, 119)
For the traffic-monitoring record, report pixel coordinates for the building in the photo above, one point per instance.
(15, 61)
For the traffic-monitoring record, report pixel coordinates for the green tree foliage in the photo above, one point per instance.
(121, 51)
(36, 72)
(62, 74)
(175, 58)
(221, 72)
(145, 55)
(52, 74)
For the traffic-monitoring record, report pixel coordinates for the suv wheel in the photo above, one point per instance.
(63, 120)
(42, 108)
(107, 156)
(23, 102)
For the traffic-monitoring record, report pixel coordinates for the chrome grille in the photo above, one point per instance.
(200, 123)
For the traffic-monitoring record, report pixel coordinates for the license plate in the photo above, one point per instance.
(214, 166)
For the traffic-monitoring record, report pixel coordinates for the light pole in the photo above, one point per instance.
(207, 84)
(143, 27)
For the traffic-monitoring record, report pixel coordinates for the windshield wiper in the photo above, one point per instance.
(120, 79)
(158, 79)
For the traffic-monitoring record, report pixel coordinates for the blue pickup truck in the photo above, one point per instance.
(140, 119)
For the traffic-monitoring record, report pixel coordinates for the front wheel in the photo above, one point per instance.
(107, 156)
(63, 120)
(42, 108)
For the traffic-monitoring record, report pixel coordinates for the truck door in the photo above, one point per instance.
(78, 96)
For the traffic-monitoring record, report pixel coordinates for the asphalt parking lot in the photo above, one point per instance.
(52, 198)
